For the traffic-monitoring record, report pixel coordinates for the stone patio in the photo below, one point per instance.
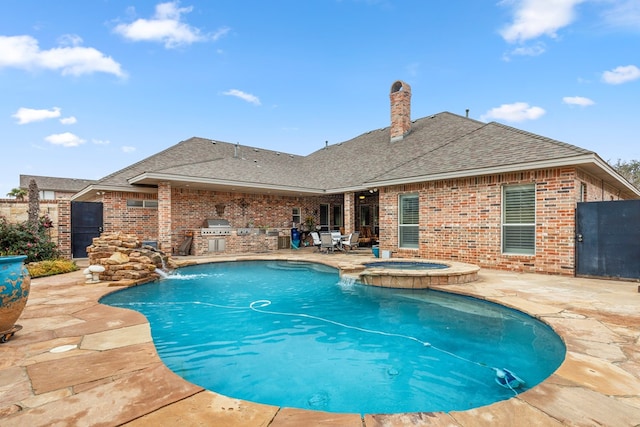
(111, 375)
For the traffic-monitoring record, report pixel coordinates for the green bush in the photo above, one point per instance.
(25, 239)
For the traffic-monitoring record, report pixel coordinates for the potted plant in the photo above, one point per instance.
(310, 223)
(15, 284)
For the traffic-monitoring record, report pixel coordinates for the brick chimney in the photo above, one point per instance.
(400, 110)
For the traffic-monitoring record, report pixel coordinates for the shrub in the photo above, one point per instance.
(51, 267)
(24, 239)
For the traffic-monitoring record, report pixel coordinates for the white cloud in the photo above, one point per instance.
(68, 120)
(533, 50)
(624, 14)
(534, 18)
(101, 141)
(243, 95)
(516, 112)
(66, 139)
(578, 100)
(23, 52)
(29, 115)
(128, 149)
(621, 74)
(167, 26)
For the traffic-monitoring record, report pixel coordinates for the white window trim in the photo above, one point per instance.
(400, 225)
(145, 204)
(503, 224)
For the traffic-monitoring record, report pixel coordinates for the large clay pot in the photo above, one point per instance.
(15, 284)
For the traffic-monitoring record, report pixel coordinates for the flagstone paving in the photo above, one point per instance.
(79, 363)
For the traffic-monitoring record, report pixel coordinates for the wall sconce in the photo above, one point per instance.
(361, 197)
(220, 209)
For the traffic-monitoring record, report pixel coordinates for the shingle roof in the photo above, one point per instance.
(68, 185)
(438, 144)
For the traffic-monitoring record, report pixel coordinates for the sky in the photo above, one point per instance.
(90, 87)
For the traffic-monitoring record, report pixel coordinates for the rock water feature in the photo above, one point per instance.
(124, 258)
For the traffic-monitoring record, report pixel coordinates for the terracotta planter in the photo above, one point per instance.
(15, 284)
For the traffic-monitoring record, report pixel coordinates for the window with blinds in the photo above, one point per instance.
(409, 220)
(519, 219)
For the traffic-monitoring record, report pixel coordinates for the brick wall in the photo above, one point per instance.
(118, 217)
(460, 220)
(189, 208)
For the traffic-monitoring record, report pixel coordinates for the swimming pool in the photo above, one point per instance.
(294, 335)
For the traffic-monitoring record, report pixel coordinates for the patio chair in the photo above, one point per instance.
(337, 240)
(316, 240)
(352, 241)
(326, 242)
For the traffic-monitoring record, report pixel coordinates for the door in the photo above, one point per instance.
(608, 239)
(86, 223)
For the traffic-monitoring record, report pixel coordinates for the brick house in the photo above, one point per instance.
(441, 187)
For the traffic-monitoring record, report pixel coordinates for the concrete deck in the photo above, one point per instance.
(111, 374)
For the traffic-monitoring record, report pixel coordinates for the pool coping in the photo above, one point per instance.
(113, 375)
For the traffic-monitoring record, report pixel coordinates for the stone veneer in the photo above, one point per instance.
(124, 258)
(456, 273)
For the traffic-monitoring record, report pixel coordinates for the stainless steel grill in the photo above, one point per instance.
(216, 227)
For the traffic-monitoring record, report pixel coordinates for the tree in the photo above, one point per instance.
(34, 204)
(629, 169)
(18, 193)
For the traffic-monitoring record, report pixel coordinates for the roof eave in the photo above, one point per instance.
(581, 160)
(151, 178)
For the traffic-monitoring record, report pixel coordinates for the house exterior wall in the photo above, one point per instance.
(117, 216)
(181, 211)
(460, 219)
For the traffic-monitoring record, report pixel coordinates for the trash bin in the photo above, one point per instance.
(376, 251)
(295, 238)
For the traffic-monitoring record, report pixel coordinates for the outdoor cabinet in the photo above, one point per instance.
(217, 245)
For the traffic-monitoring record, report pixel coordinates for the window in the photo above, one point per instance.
(46, 195)
(296, 218)
(409, 220)
(519, 219)
(337, 216)
(133, 203)
(324, 217)
(364, 215)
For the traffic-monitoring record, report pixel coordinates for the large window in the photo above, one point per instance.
(409, 219)
(519, 219)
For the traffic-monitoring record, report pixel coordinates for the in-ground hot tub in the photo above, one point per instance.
(411, 274)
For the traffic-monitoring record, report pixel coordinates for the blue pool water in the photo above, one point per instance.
(294, 335)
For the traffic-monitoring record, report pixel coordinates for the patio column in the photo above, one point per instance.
(164, 217)
(349, 214)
